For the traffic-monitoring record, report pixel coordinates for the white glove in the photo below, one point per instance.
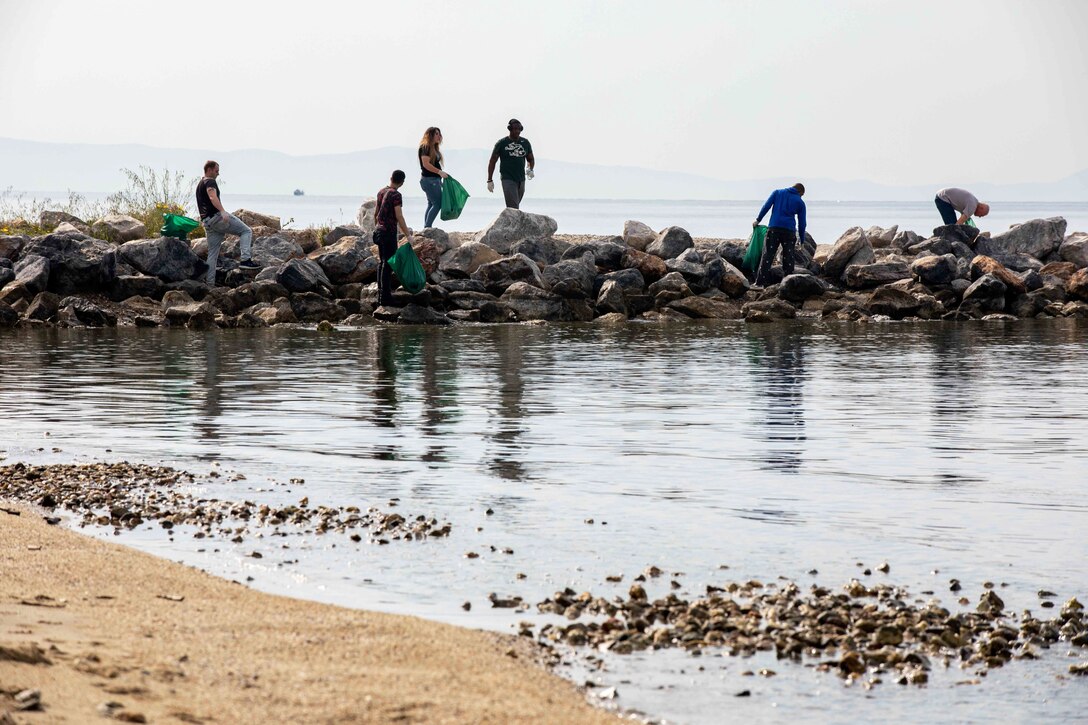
(529, 174)
(491, 186)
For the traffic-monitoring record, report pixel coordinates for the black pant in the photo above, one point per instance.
(776, 236)
(948, 212)
(387, 247)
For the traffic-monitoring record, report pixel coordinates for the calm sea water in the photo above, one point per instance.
(727, 219)
(775, 449)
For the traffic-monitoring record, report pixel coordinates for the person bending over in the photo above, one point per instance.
(952, 200)
(512, 152)
(786, 223)
(218, 222)
(388, 217)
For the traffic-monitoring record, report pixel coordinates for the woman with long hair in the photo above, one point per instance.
(430, 165)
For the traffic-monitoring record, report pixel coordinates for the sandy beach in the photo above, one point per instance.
(102, 629)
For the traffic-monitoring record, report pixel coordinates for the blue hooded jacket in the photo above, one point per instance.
(787, 204)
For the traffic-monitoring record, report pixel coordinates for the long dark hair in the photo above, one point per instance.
(429, 146)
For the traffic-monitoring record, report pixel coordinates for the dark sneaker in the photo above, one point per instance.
(249, 264)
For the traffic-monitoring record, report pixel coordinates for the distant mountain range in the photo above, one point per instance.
(56, 167)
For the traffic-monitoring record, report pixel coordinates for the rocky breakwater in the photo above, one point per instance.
(519, 269)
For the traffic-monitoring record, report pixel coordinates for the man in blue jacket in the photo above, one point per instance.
(787, 222)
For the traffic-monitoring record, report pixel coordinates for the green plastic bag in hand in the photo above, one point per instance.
(755, 249)
(454, 197)
(409, 271)
(175, 225)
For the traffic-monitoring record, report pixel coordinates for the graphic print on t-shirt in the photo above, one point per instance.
(514, 148)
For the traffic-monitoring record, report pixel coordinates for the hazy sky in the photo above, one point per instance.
(896, 92)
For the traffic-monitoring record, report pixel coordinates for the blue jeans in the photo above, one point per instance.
(948, 212)
(432, 187)
(219, 226)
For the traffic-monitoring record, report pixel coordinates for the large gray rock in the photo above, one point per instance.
(905, 238)
(670, 243)
(419, 315)
(88, 313)
(271, 251)
(346, 261)
(194, 315)
(498, 275)
(1077, 284)
(769, 310)
(256, 219)
(53, 219)
(800, 287)
(140, 285)
(44, 307)
(695, 274)
(533, 303)
(438, 236)
(8, 316)
(893, 302)
(880, 237)
(313, 307)
(1037, 238)
(853, 247)
(982, 265)
(610, 299)
(119, 228)
(1073, 249)
(571, 278)
(707, 308)
(984, 288)
(464, 260)
(608, 253)
(75, 264)
(861, 276)
(637, 235)
(652, 268)
(631, 280)
(669, 288)
(303, 275)
(167, 258)
(33, 271)
(347, 230)
(542, 251)
(513, 225)
(7, 274)
(11, 245)
(934, 270)
(957, 233)
(732, 281)
(365, 216)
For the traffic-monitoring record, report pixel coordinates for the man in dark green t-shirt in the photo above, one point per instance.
(512, 152)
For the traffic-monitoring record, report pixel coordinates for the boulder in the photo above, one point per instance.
(532, 303)
(119, 228)
(7, 274)
(931, 247)
(670, 243)
(986, 289)
(769, 310)
(542, 251)
(53, 219)
(732, 281)
(312, 307)
(438, 236)
(428, 253)
(464, 260)
(462, 285)
(344, 261)
(470, 300)
(610, 299)
(513, 225)
(880, 237)
(347, 230)
(957, 233)
(125, 286)
(1032, 280)
(630, 280)
(269, 251)
(44, 307)
(75, 265)
(167, 258)
(256, 219)
(1077, 285)
(303, 275)
(892, 302)
(1037, 238)
(498, 275)
(11, 245)
(706, 308)
(800, 287)
(934, 270)
(669, 288)
(853, 247)
(87, 312)
(305, 238)
(637, 235)
(695, 274)
(195, 315)
(1061, 270)
(8, 316)
(1016, 262)
(571, 278)
(982, 265)
(419, 315)
(861, 276)
(33, 271)
(905, 238)
(1073, 250)
(607, 253)
(365, 216)
(651, 267)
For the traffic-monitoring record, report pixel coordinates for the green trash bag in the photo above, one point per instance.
(454, 197)
(409, 271)
(175, 225)
(971, 222)
(755, 249)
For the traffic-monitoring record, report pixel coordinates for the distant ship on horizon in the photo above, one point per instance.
(300, 192)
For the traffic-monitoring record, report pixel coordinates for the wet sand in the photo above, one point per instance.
(99, 623)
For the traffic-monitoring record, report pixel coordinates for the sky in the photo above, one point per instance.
(893, 92)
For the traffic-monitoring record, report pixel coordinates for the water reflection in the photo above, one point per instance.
(782, 411)
(509, 413)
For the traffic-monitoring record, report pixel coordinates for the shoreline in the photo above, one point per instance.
(172, 643)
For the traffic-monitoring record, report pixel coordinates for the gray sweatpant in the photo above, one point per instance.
(514, 192)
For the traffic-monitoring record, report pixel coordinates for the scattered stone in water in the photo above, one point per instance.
(743, 693)
(884, 568)
(489, 511)
(1043, 594)
(472, 555)
(466, 606)
(954, 585)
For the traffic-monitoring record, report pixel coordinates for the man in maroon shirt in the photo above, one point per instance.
(388, 217)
